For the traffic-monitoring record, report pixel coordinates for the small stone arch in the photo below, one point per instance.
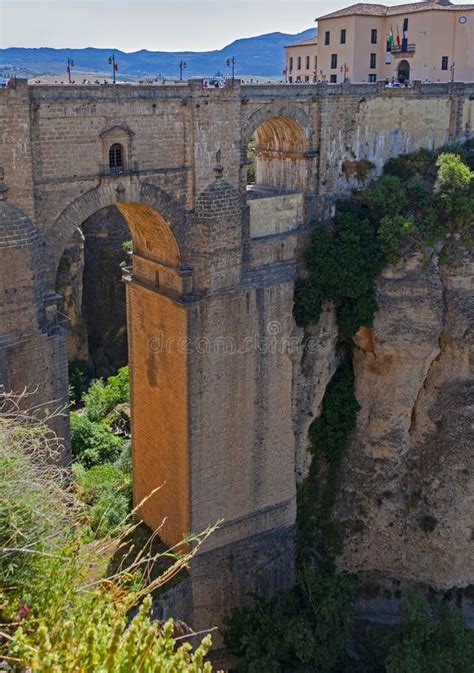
(281, 143)
(148, 203)
(275, 110)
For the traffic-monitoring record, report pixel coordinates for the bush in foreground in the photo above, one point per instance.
(59, 613)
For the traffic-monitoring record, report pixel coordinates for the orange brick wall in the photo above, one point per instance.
(159, 385)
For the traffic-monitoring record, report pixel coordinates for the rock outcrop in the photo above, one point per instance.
(406, 494)
(69, 287)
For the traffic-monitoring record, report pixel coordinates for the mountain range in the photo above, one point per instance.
(262, 56)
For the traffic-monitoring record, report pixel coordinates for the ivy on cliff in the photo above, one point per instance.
(342, 265)
(328, 435)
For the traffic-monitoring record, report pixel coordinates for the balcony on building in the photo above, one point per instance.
(406, 49)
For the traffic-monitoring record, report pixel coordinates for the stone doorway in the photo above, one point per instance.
(403, 72)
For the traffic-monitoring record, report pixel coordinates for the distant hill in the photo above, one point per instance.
(260, 56)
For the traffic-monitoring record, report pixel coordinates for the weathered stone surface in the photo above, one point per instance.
(314, 363)
(103, 301)
(69, 287)
(220, 430)
(409, 474)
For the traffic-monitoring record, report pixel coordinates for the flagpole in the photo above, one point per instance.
(114, 66)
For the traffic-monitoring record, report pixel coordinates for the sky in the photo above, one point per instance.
(157, 25)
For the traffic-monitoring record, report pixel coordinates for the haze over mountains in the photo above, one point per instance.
(262, 56)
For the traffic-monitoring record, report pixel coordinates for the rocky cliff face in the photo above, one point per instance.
(406, 492)
(69, 287)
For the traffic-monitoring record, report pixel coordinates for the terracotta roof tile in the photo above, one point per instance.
(311, 40)
(364, 8)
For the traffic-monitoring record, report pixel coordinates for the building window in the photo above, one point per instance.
(343, 36)
(405, 25)
(291, 63)
(327, 37)
(315, 79)
(116, 158)
(373, 61)
(308, 66)
(299, 62)
(372, 78)
(444, 63)
(333, 79)
(373, 36)
(333, 61)
(290, 79)
(306, 78)
(316, 62)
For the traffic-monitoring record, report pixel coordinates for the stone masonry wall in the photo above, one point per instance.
(219, 429)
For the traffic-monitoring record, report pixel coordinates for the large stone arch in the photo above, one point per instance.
(143, 195)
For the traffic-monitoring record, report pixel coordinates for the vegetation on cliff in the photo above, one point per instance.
(102, 468)
(305, 629)
(60, 612)
(422, 199)
(328, 435)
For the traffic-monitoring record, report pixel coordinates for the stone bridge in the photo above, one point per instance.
(210, 287)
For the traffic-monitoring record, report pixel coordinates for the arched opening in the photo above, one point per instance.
(148, 312)
(280, 145)
(92, 294)
(116, 158)
(89, 279)
(404, 72)
(277, 169)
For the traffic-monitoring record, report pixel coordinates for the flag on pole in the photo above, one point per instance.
(398, 37)
(391, 39)
(115, 66)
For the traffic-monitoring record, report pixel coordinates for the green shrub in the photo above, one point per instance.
(93, 483)
(80, 376)
(430, 639)
(342, 266)
(328, 435)
(107, 490)
(93, 443)
(34, 505)
(393, 231)
(58, 613)
(406, 166)
(124, 461)
(418, 199)
(456, 183)
(109, 514)
(305, 629)
(330, 431)
(103, 396)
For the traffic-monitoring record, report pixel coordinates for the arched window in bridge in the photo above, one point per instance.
(116, 164)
